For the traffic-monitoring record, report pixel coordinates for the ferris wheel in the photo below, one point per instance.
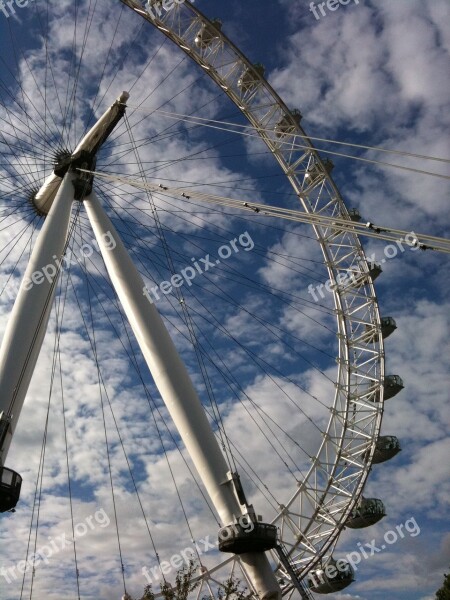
(267, 407)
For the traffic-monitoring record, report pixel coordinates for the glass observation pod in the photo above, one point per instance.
(316, 171)
(285, 124)
(208, 33)
(247, 82)
(334, 577)
(358, 279)
(354, 215)
(368, 512)
(388, 326)
(10, 485)
(387, 447)
(393, 384)
(238, 538)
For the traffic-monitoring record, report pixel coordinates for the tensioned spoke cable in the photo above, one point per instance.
(259, 318)
(107, 443)
(258, 359)
(304, 390)
(71, 113)
(36, 504)
(136, 365)
(202, 120)
(134, 222)
(276, 424)
(186, 315)
(39, 481)
(14, 267)
(38, 486)
(48, 61)
(135, 362)
(14, 153)
(271, 289)
(237, 216)
(44, 446)
(37, 87)
(102, 74)
(336, 224)
(167, 133)
(120, 131)
(60, 310)
(190, 530)
(30, 117)
(132, 356)
(262, 251)
(42, 315)
(226, 374)
(323, 150)
(222, 294)
(290, 301)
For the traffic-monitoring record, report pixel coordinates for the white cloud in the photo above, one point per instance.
(374, 73)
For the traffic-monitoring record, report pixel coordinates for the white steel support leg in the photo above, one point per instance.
(28, 321)
(176, 388)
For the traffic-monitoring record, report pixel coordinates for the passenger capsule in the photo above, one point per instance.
(250, 536)
(387, 447)
(354, 215)
(208, 33)
(388, 326)
(375, 271)
(334, 577)
(393, 384)
(247, 82)
(316, 171)
(358, 278)
(287, 124)
(10, 485)
(368, 512)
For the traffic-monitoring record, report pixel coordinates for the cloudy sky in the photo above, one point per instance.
(373, 73)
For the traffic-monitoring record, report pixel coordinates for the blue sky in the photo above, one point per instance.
(373, 73)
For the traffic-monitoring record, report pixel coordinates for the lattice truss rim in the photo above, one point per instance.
(317, 511)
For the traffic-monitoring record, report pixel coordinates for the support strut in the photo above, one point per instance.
(28, 321)
(29, 318)
(177, 390)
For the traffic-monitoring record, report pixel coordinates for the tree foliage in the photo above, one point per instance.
(443, 592)
(185, 583)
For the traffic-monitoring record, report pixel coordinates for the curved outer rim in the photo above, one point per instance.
(311, 521)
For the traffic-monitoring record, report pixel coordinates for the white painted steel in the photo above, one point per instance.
(176, 388)
(313, 518)
(45, 196)
(28, 321)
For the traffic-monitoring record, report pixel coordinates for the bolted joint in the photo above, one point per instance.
(62, 165)
(82, 159)
(83, 182)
